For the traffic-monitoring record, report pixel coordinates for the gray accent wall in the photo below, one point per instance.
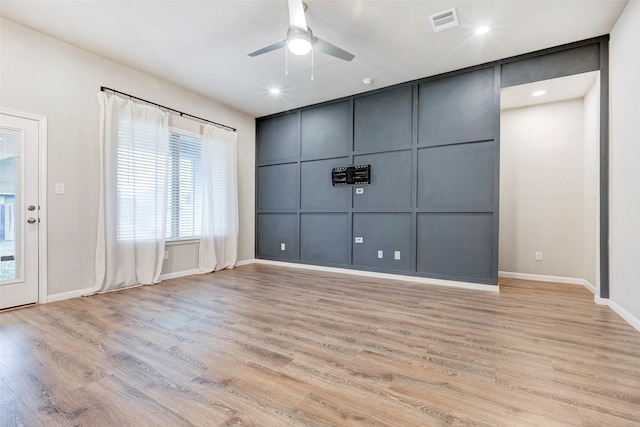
(431, 208)
(431, 146)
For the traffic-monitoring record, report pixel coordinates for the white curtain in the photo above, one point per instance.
(134, 159)
(219, 239)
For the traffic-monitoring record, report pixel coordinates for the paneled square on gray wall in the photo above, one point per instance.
(278, 235)
(279, 138)
(460, 108)
(391, 181)
(278, 186)
(325, 237)
(317, 192)
(386, 240)
(326, 130)
(455, 177)
(456, 245)
(384, 120)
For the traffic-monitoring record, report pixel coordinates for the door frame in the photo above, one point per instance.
(42, 196)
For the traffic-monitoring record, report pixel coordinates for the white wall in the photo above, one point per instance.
(541, 189)
(624, 145)
(591, 198)
(42, 75)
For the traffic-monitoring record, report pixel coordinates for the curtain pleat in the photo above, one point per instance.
(219, 239)
(134, 167)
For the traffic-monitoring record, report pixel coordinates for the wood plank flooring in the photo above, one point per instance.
(269, 346)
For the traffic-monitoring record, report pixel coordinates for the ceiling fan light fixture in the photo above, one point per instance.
(298, 41)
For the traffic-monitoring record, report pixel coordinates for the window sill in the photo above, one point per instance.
(177, 242)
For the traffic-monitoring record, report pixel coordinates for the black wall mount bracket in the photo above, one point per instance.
(349, 175)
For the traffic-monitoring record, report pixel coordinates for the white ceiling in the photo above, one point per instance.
(203, 45)
(555, 90)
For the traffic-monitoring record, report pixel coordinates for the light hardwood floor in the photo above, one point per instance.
(270, 346)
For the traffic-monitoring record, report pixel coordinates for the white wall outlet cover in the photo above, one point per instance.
(166, 254)
(380, 254)
(59, 188)
(359, 240)
(359, 190)
(396, 254)
(283, 246)
(538, 256)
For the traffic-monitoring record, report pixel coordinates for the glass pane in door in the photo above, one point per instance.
(9, 186)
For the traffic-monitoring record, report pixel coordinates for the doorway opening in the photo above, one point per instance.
(549, 181)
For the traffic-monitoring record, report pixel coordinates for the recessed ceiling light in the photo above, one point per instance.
(538, 93)
(367, 81)
(274, 91)
(482, 30)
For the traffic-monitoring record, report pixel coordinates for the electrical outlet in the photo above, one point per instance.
(359, 190)
(283, 247)
(359, 240)
(538, 256)
(380, 254)
(396, 255)
(166, 254)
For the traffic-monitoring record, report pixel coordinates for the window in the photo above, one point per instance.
(142, 168)
(184, 187)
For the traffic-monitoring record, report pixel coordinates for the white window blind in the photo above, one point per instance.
(184, 216)
(141, 171)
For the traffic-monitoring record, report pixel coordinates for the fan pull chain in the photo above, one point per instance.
(286, 59)
(311, 63)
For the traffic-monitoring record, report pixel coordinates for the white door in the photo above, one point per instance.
(19, 210)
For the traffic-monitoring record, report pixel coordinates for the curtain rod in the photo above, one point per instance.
(182, 114)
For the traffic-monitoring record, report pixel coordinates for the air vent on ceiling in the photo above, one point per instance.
(444, 20)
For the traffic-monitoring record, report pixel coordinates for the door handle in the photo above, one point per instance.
(31, 208)
(31, 220)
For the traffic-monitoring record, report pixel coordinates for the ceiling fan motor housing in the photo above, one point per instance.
(299, 41)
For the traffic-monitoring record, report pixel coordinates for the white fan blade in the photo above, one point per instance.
(296, 15)
(274, 46)
(331, 49)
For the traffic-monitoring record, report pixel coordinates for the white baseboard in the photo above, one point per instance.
(424, 280)
(600, 301)
(541, 278)
(245, 262)
(177, 274)
(589, 286)
(630, 318)
(68, 295)
(552, 279)
(81, 292)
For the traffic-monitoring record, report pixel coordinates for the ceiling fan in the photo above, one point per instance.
(300, 40)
